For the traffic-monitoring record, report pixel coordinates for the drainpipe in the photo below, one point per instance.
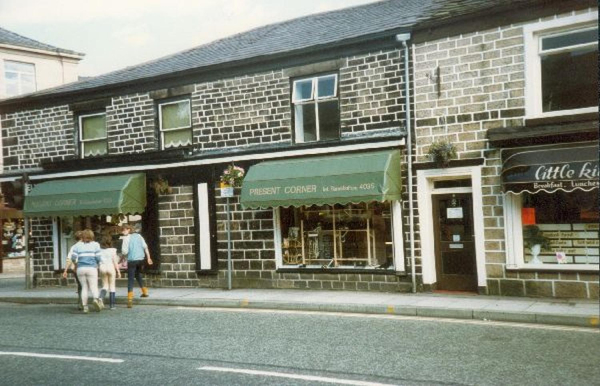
(403, 38)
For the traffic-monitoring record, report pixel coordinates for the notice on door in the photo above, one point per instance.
(454, 212)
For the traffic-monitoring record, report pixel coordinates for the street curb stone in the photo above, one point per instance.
(589, 321)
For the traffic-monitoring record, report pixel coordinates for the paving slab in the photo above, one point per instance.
(566, 312)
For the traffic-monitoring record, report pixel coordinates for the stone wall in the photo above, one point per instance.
(464, 86)
(30, 136)
(177, 240)
(253, 109)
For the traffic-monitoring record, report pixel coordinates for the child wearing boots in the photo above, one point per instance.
(134, 246)
(109, 270)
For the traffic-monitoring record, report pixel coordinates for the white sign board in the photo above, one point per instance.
(454, 212)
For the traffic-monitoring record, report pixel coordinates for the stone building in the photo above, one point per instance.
(323, 126)
(517, 96)
(26, 66)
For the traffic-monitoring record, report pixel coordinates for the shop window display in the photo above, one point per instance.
(344, 236)
(100, 225)
(13, 238)
(566, 222)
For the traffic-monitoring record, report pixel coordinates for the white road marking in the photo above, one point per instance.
(496, 323)
(54, 356)
(311, 378)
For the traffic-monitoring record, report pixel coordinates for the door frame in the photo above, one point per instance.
(425, 189)
(457, 280)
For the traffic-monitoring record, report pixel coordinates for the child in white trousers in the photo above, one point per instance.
(109, 270)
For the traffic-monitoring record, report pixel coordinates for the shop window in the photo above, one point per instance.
(567, 223)
(316, 109)
(100, 225)
(13, 238)
(175, 121)
(19, 78)
(92, 135)
(339, 236)
(562, 63)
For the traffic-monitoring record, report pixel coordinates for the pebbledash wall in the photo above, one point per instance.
(247, 110)
(481, 86)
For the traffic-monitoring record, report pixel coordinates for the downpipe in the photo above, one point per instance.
(404, 38)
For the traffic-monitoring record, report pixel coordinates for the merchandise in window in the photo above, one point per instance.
(574, 53)
(20, 78)
(92, 134)
(316, 109)
(564, 225)
(101, 226)
(175, 124)
(13, 238)
(342, 236)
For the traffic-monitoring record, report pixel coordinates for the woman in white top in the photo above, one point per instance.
(109, 269)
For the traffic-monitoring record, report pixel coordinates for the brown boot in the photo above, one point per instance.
(145, 292)
(130, 299)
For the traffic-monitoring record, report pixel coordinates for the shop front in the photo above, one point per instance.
(100, 203)
(12, 248)
(551, 207)
(332, 213)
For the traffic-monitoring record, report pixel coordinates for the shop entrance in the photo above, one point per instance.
(455, 260)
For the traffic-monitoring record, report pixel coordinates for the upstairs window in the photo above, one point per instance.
(562, 62)
(175, 120)
(20, 78)
(316, 108)
(92, 134)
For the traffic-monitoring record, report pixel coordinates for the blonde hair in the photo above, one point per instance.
(87, 235)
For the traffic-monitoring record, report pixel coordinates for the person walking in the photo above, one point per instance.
(109, 270)
(87, 256)
(70, 263)
(135, 248)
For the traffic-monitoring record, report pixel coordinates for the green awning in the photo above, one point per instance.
(90, 196)
(337, 179)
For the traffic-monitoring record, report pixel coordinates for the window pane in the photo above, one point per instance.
(570, 80)
(96, 148)
(329, 120)
(345, 236)
(93, 127)
(303, 89)
(574, 38)
(177, 138)
(566, 227)
(175, 115)
(305, 125)
(26, 68)
(12, 89)
(27, 84)
(326, 86)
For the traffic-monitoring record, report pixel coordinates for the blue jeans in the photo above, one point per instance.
(134, 269)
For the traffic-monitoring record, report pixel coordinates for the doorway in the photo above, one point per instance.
(454, 238)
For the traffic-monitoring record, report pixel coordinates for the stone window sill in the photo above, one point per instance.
(553, 268)
(370, 271)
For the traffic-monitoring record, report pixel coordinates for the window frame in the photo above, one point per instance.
(82, 141)
(161, 131)
(315, 100)
(397, 244)
(19, 75)
(533, 35)
(513, 234)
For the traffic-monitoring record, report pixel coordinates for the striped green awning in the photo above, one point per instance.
(337, 179)
(90, 196)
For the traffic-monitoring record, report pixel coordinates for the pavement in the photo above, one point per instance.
(565, 312)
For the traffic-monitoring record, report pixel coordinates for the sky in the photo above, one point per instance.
(118, 33)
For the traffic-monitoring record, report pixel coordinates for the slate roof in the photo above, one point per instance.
(14, 39)
(296, 35)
